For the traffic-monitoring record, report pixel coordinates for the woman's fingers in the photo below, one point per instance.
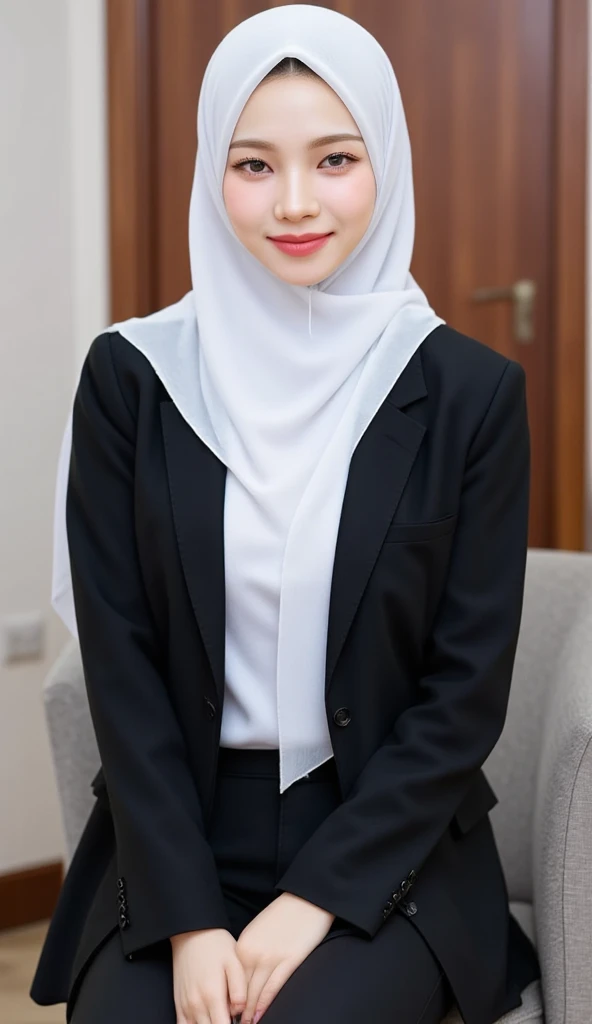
(264, 987)
(215, 1001)
(257, 982)
(206, 974)
(276, 980)
(204, 1004)
(218, 1014)
(237, 986)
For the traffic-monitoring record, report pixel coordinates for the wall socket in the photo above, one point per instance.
(22, 637)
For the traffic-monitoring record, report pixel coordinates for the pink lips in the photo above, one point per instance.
(300, 245)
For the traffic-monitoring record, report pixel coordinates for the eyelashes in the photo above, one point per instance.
(243, 164)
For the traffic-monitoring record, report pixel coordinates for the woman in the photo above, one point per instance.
(296, 511)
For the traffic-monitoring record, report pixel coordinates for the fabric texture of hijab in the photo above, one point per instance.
(280, 381)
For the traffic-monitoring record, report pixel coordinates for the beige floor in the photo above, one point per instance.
(19, 952)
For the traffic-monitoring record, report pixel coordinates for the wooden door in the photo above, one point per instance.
(494, 96)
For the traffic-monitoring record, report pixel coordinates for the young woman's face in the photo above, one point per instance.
(292, 184)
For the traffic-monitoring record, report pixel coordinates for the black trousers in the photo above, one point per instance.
(255, 832)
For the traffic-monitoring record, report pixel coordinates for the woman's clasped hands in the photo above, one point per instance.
(217, 977)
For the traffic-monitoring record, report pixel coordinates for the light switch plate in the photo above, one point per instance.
(22, 637)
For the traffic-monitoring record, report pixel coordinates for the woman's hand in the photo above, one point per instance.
(274, 944)
(208, 978)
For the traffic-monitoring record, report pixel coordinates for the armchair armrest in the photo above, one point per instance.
(562, 839)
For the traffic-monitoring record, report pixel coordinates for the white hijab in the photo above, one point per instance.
(280, 380)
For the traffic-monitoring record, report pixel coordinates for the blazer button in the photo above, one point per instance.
(210, 708)
(342, 716)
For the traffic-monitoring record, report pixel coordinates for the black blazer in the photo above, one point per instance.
(425, 609)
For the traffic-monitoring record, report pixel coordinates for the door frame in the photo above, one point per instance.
(569, 275)
(132, 221)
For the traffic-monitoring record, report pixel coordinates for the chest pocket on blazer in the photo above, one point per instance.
(399, 533)
(476, 804)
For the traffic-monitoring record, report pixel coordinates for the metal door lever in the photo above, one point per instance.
(522, 294)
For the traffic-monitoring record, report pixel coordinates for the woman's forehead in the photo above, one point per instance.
(293, 106)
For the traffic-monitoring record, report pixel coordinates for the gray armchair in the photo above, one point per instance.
(541, 770)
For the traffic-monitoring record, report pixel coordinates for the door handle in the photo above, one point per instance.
(522, 294)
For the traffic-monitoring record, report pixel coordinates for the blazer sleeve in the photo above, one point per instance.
(409, 790)
(167, 875)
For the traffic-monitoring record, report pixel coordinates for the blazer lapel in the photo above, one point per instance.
(379, 468)
(197, 480)
(378, 472)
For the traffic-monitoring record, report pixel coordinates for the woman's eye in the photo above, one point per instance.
(251, 162)
(341, 156)
(256, 165)
(245, 163)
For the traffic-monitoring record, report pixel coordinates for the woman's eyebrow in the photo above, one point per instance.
(325, 140)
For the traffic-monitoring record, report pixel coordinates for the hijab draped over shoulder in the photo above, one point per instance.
(280, 380)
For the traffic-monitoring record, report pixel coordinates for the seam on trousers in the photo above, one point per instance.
(430, 997)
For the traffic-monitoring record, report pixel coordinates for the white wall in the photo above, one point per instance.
(88, 143)
(589, 294)
(53, 300)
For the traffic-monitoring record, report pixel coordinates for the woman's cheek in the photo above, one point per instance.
(242, 204)
(351, 199)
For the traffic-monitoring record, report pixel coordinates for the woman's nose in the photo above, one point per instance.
(296, 197)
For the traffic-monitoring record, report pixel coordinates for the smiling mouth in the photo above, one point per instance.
(302, 246)
(299, 238)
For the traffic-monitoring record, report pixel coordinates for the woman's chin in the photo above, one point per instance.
(301, 275)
